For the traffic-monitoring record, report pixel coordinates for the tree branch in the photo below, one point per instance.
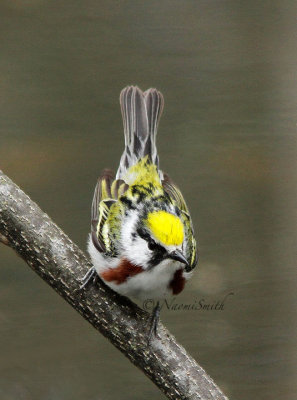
(53, 256)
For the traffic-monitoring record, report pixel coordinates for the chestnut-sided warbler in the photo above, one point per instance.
(141, 243)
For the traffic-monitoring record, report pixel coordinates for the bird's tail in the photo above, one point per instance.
(141, 113)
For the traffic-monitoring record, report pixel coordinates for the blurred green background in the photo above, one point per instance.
(227, 70)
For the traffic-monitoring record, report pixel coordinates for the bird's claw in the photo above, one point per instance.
(154, 322)
(91, 274)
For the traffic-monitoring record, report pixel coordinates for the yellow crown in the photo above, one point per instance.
(166, 227)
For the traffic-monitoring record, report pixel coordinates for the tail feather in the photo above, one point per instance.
(141, 113)
(154, 106)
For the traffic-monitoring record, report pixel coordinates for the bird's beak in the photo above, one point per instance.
(178, 256)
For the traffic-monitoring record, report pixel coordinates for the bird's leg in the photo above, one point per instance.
(87, 277)
(154, 321)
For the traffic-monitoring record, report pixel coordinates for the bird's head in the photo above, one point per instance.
(154, 237)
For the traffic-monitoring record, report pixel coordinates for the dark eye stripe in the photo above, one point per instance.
(143, 234)
(150, 243)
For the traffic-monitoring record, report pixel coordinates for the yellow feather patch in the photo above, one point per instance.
(166, 227)
(142, 173)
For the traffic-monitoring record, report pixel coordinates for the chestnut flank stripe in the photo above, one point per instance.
(121, 273)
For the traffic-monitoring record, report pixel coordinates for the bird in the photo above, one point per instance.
(142, 243)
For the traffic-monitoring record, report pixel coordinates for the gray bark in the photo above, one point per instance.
(53, 256)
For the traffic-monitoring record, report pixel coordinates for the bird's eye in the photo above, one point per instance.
(152, 245)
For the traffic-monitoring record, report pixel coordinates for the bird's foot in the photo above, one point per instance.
(91, 274)
(154, 322)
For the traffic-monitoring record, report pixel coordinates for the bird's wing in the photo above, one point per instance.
(172, 190)
(174, 193)
(107, 192)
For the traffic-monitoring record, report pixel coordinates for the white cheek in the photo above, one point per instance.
(138, 253)
(134, 248)
(128, 227)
